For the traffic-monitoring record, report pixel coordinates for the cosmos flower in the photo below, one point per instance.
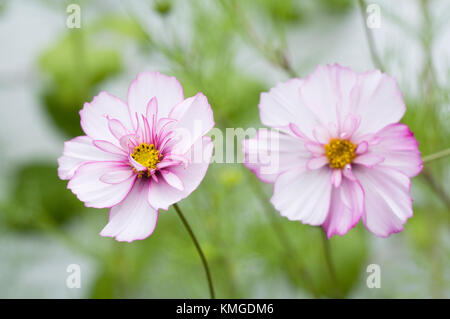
(140, 156)
(341, 153)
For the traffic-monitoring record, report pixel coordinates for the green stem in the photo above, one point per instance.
(199, 250)
(436, 155)
(330, 265)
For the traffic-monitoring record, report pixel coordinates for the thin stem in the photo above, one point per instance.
(199, 250)
(373, 52)
(428, 176)
(436, 155)
(329, 262)
(275, 56)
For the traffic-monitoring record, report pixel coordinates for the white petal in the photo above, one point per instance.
(95, 117)
(109, 147)
(282, 105)
(117, 176)
(379, 102)
(167, 90)
(271, 153)
(303, 195)
(347, 205)
(388, 202)
(172, 179)
(133, 218)
(399, 148)
(368, 159)
(195, 119)
(88, 187)
(316, 162)
(78, 151)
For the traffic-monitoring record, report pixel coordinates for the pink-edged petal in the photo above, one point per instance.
(378, 102)
(167, 90)
(117, 176)
(162, 195)
(151, 121)
(362, 148)
(95, 116)
(166, 163)
(133, 218)
(336, 177)
(368, 159)
(346, 208)
(399, 148)
(347, 172)
(303, 195)
(152, 109)
(129, 142)
(316, 162)
(78, 151)
(351, 124)
(388, 203)
(109, 147)
(88, 187)
(271, 153)
(315, 149)
(136, 165)
(117, 129)
(172, 179)
(195, 119)
(282, 105)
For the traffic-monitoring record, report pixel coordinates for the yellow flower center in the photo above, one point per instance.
(146, 155)
(340, 152)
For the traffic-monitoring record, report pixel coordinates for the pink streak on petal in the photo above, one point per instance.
(78, 151)
(116, 128)
(117, 176)
(388, 203)
(316, 162)
(368, 159)
(172, 179)
(399, 148)
(109, 147)
(162, 195)
(88, 187)
(347, 206)
(347, 172)
(94, 116)
(336, 177)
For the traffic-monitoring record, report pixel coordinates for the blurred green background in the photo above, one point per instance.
(231, 51)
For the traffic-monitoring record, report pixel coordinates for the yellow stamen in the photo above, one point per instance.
(340, 152)
(146, 155)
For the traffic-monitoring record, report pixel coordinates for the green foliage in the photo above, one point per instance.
(39, 199)
(75, 66)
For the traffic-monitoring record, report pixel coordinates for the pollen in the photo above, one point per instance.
(340, 152)
(146, 155)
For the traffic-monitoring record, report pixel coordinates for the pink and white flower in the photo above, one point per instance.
(343, 155)
(137, 157)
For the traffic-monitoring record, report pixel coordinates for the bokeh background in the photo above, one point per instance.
(231, 51)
